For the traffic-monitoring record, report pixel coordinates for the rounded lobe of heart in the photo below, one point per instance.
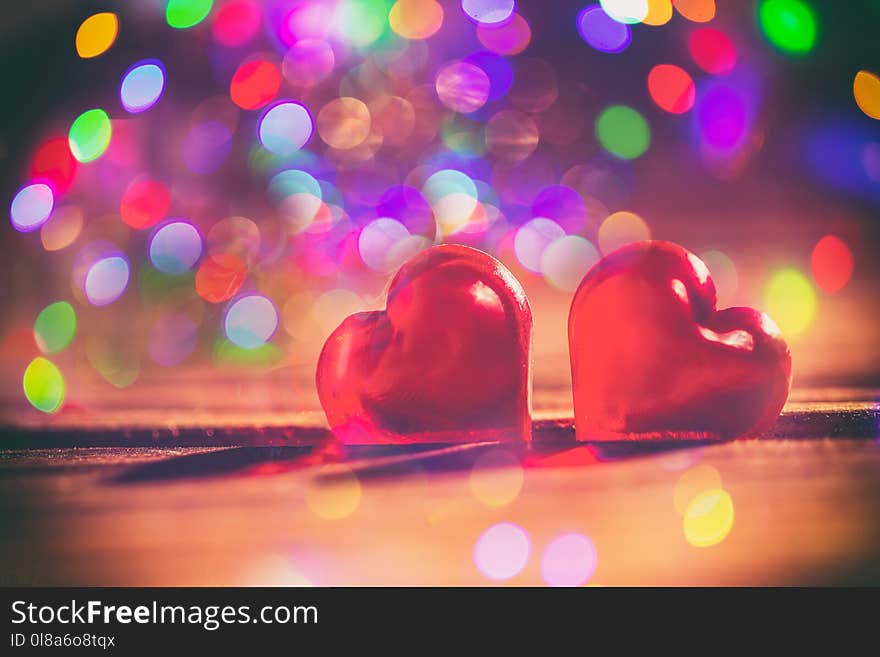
(652, 358)
(448, 360)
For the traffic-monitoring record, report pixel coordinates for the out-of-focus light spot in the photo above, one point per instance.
(532, 238)
(724, 274)
(54, 164)
(182, 14)
(488, 12)
(623, 132)
(671, 88)
(708, 518)
(106, 280)
(43, 385)
(254, 84)
(308, 62)
(698, 11)
(89, 135)
(384, 244)
(250, 321)
(569, 560)
(622, 228)
(334, 306)
(496, 478)
(722, 115)
(502, 551)
(206, 146)
(446, 182)
(236, 22)
(790, 25)
(511, 136)
(220, 277)
(360, 23)
(626, 11)
(236, 235)
(175, 247)
(344, 122)
(712, 50)
(62, 228)
(118, 366)
(142, 86)
(659, 12)
(333, 494)
(693, 481)
(285, 128)
(866, 90)
(602, 32)
(55, 327)
(462, 87)
(509, 38)
(790, 300)
(31, 207)
(831, 263)
(96, 34)
(144, 203)
(172, 339)
(415, 19)
(566, 260)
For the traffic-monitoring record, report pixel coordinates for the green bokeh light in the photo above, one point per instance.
(623, 132)
(43, 385)
(790, 25)
(90, 135)
(55, 327)
(182, 14)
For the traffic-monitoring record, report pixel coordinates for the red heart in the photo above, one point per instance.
(448, 360)
(652, 358)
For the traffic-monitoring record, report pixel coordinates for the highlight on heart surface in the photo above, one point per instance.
(651, 357)
(448, 360)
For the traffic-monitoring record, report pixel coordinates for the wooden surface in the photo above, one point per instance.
(806, 503)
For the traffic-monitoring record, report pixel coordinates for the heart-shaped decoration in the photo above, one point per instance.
(651, 357)
(448, 360)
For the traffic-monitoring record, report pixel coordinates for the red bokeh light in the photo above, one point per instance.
(254, 84)
(144, 203)
(220, 277)
(671, 88)
(831, 263)
(236, 22)
(54, 164)
(712, 50)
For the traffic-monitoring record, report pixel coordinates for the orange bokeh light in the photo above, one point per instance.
(831, 263)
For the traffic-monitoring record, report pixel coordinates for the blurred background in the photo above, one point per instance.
(198, 192)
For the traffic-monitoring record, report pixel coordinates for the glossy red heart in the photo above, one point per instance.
(448, 360)
(651, 357)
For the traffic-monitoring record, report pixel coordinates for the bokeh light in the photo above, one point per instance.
(63, 227)
(144, 203)
(831, 263)
(333, 494)
(626, 11)
(96, 34)
(532, 239)
(623, 132)
(182, 14)
(175, 247)
(308, 62)
(344, 122)
(569, 560)
(54, 164)
(866, 91)
(44, 385)
(671, 88)
(106, 280)
(509, 38)
(31, 207)
(462, 87)
(496, 478)
(250, 321)
(693, 481)
(172, 339)
(698, 11)
(659, 12)
(89, 135)
(790, 300)
(254, 84)
(220, 277)
(142, 86)
(712, 50)
(621, 228)
(415, 19)
(790, 25)
(601, 31)
(566, 261)
(488, 12)
(236, 22)
(285, 128)
(502, 551)
(55, 327)
(708, 518)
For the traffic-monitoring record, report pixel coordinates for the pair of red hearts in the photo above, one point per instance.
(449, 359)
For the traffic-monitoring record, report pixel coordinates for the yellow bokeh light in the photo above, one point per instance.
(866, 90)
(659, 12)
(496, 478)
(708, 518)
(790, 301)
(415, 19)
(96, 34)
(622, 228)
(692, 482)
(333, 494)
